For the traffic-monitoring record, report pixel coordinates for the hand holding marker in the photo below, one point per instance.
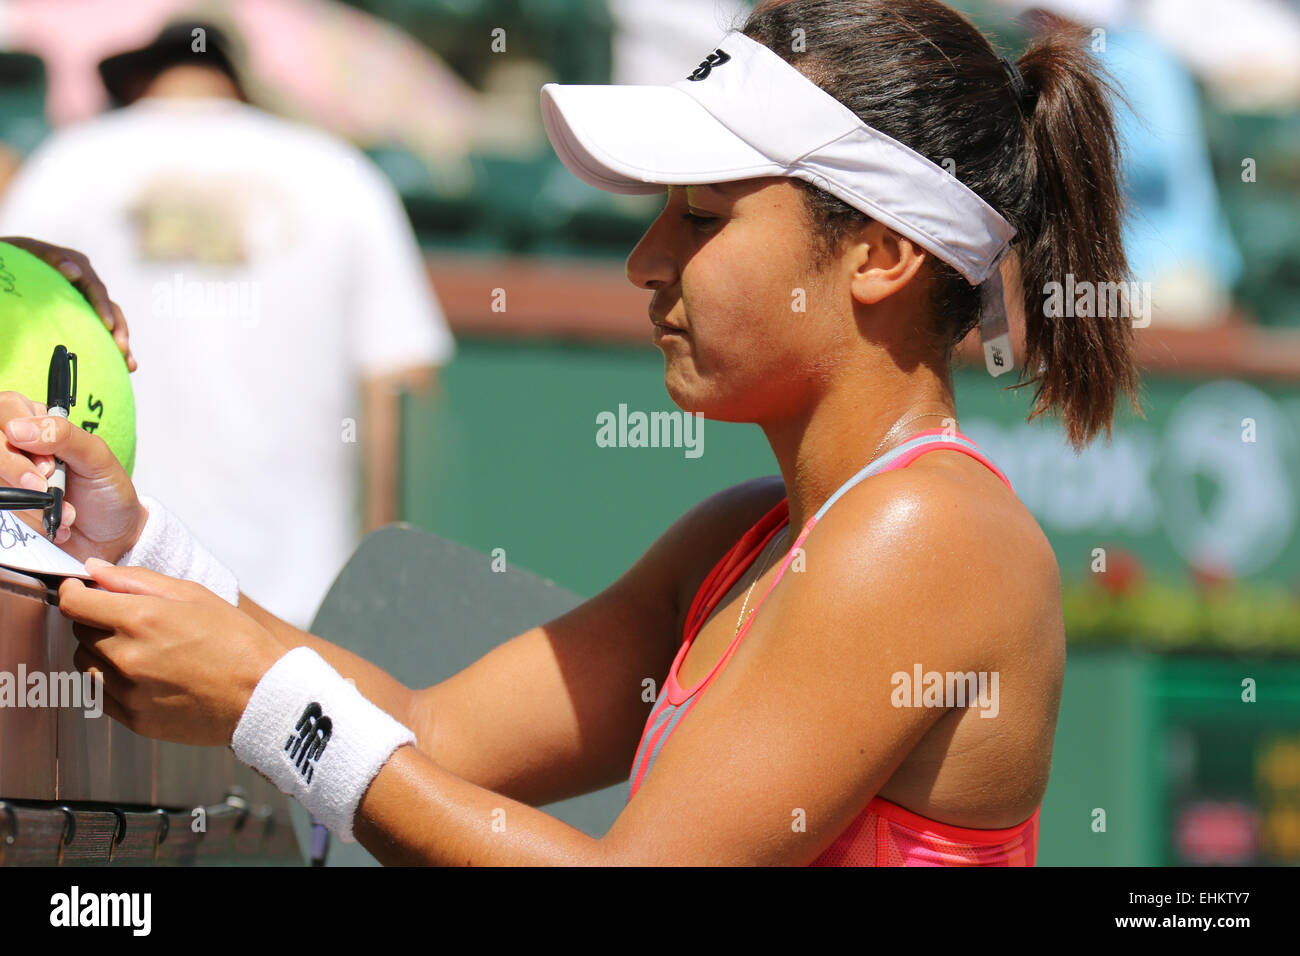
(60, 397)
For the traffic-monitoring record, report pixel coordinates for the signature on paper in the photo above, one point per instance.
(13, 532)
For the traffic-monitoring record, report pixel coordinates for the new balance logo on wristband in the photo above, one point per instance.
(295, 696)
(307, 743)
(716, 58)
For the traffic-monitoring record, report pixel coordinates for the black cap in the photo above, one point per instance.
(127, 75)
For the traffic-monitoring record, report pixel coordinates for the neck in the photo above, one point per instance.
(837, 436)
(188, 82)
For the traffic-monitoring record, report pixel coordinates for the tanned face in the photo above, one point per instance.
(749, 328)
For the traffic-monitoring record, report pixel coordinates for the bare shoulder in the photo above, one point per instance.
(956, 548)
(940, 565)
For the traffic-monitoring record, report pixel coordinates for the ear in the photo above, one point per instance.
(883, 262)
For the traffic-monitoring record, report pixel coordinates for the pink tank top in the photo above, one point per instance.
(884, 833)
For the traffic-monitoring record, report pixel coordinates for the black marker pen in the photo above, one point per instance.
(61, 395)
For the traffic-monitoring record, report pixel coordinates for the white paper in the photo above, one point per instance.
(24, 549)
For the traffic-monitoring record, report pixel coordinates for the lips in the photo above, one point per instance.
(659, 323)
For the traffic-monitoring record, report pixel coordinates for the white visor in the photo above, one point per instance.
(746, 113)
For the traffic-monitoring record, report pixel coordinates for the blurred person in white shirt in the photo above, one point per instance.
(277, 300)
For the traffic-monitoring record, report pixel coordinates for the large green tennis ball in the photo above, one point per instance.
(40, 309)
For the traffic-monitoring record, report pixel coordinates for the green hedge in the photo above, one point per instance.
(1234, 618)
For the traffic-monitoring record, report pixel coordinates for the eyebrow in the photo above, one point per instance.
(721, 189)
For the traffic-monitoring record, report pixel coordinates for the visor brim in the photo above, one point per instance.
(637, 140)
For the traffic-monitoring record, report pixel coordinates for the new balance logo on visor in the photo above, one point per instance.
(307, 743)
(716, 58)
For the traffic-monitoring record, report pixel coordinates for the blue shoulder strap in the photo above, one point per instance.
(883, 462)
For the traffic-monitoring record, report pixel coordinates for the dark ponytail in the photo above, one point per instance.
(1073, 225)
(1046, 156)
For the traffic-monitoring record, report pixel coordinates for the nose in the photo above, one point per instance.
(651, 265)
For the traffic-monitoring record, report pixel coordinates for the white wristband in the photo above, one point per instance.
(313, 735)
(168, 547)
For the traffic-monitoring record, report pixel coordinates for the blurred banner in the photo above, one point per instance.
(1208, 481)
(314, 60)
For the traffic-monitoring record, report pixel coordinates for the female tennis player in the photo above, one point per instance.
(858, 662)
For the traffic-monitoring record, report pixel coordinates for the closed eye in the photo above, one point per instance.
(698, 221)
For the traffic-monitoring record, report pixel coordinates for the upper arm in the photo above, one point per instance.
(413, 378)
(802, 727)
(559, 710)
(381, 393)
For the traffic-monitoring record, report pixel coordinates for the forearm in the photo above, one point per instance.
(381, 440)
(380, 444)
(352, 766)
(164, 544)
(415, 812)
(383, 689)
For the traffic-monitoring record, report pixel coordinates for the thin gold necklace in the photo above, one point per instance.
(897, 425)
(768, 564)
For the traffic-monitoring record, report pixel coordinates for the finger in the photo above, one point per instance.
(122, 335)
(74, 267)
(44, 463)
(109, 701)
(106, 646)
(18, 470)
(87, 454)
(140, 581)
(33, 480)
(64, 532)
(85, 281)
(101, 609)
(14, 461)
(86, 660)
(87, 635)
(69, 269)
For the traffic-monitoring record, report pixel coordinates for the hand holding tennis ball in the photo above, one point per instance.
(50, 296)
(76, 268)
(40, 309)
